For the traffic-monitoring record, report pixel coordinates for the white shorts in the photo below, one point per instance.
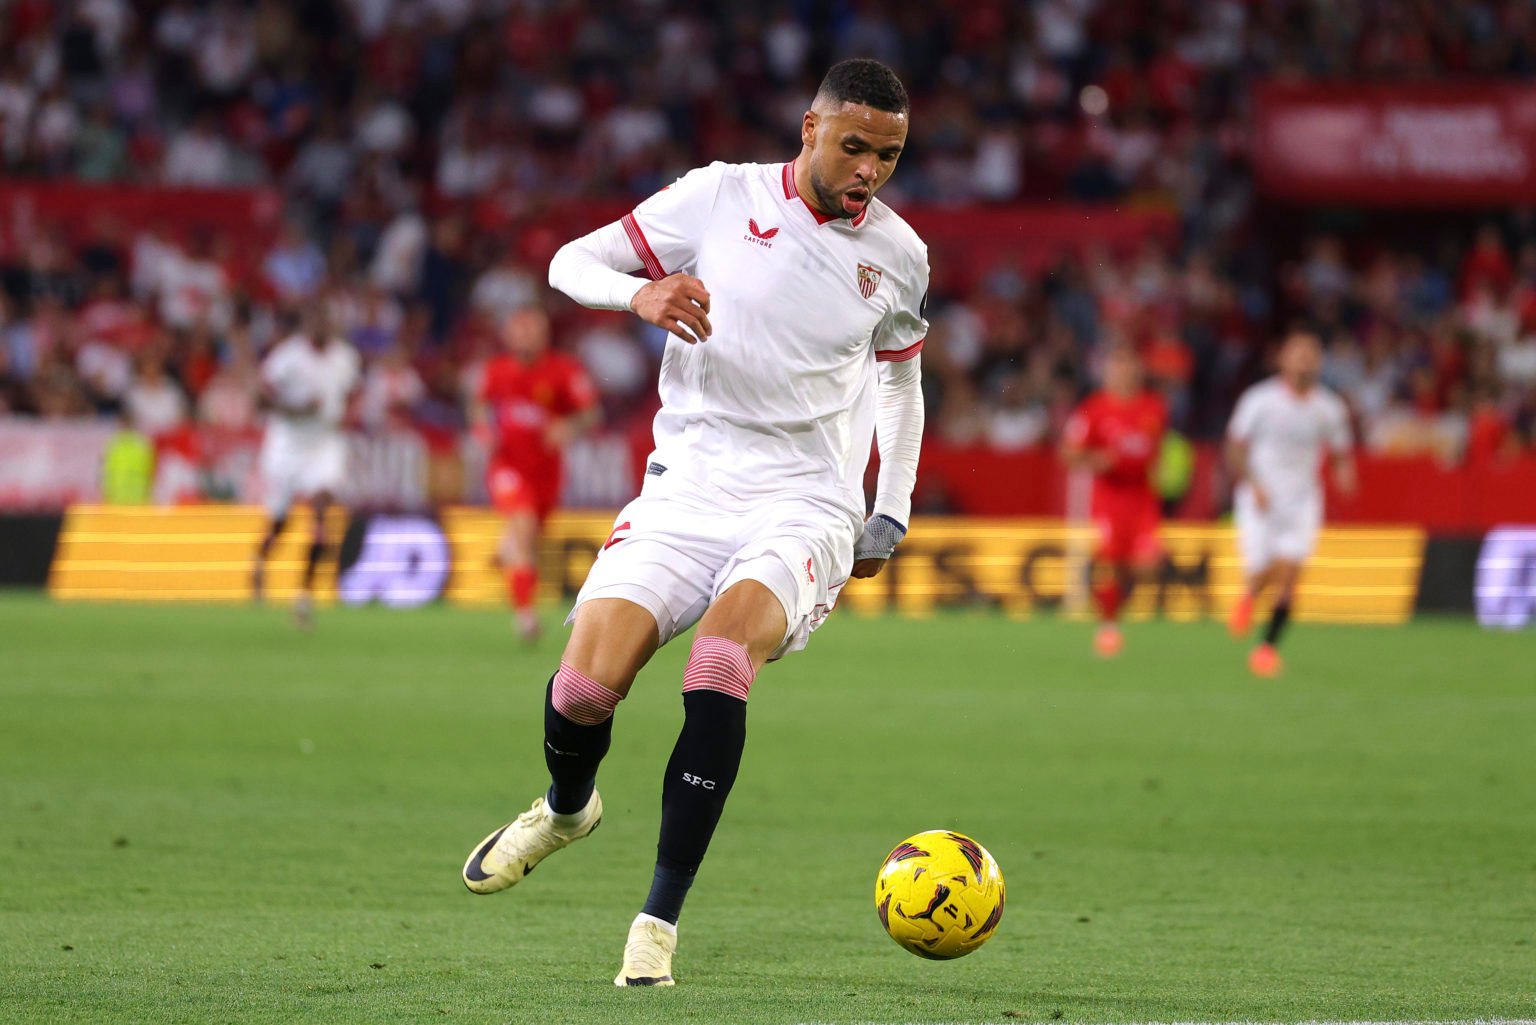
(1287, 531)
(289, 472)
(675, 549)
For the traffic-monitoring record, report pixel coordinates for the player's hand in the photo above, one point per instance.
(678, 303)
(559, 432)
(1346, 479)
(874, 547)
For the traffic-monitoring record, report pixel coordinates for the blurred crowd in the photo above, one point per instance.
(1435, 355)
(395, 131)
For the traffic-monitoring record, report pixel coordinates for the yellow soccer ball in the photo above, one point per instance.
(939, 894)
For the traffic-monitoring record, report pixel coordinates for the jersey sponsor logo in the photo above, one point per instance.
(757, 235)
(869, 280)
(655, 470)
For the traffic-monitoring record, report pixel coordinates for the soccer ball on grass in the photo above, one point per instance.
(939, 894)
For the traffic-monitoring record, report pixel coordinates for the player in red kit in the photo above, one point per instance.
(532, 403)
(1116, 433)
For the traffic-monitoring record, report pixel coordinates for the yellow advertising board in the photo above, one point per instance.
(1018, 567)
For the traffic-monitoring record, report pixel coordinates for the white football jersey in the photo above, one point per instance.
(299, 373)
(781, 397)
(1287, 434)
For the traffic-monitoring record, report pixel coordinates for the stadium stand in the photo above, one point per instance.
(403, 162)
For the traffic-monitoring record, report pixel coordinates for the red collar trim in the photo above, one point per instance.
(792, 192)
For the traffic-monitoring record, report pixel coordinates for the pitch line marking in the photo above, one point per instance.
(1441, 1021)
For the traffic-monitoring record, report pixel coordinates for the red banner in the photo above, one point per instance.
(246, 216)
(1397, 145)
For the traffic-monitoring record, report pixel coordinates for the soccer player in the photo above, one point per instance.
(1275, 445)
(533, 401)
(795, 303)
(1116, 433)
(306, 381)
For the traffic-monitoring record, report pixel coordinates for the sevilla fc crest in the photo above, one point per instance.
(869, 280)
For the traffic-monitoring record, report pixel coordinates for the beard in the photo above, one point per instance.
(829, 201)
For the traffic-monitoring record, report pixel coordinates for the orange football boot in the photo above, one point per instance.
(1241, 619)
(1108, 641)
(1264, 661)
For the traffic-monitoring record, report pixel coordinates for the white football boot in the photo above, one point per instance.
(648, 953)
(507, 855)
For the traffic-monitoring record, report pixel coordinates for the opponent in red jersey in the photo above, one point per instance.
(532, 402)
(1116, 433)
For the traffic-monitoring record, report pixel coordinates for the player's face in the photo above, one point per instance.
(318, 326)
(1122, 374)
(853, 150)
(1301, 361)
(526, 334)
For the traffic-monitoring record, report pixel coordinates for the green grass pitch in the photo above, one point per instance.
(207, 817)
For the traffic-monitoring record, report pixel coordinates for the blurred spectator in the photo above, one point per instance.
(294, 267)
(322, 171)
(200, 155)
(153, 403)
(100, 147)
(191, 286)
(128, 467)
(228, 400)
(504, 286)
(1019, 419)
(391, 389)
(14, 399)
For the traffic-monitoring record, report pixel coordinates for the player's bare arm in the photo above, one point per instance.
(678, 303)
(1345, 475)
(1237, 465)
(1079, 456)
(563, 430)
(268, 398)
(480, 420)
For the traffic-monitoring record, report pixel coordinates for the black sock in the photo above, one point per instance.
(699, 778)
(271, 538)
(572, 752)
(1277, 620)
(316, 553)
(669, 888)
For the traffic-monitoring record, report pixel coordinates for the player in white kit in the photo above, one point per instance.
(795, 300)
(306, 381)
(1275, 446)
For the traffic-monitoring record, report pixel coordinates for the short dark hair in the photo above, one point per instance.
(867, 82)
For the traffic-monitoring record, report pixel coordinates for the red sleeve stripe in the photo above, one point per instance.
(642, 248)
(899, 355)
